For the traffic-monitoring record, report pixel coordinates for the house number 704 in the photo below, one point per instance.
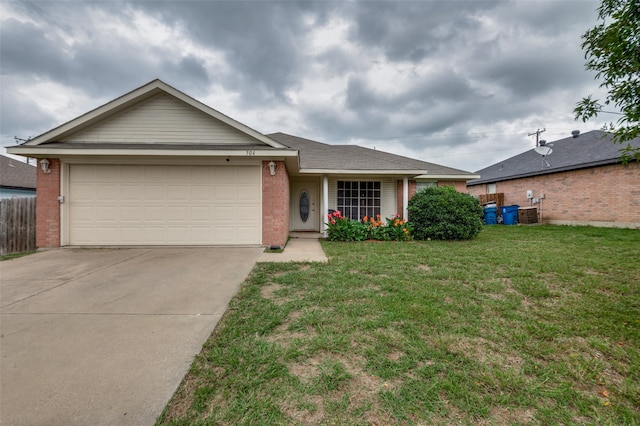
(251, 152)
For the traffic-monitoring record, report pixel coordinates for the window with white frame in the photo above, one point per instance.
(422, 185)
(491, 188)
(358, 199)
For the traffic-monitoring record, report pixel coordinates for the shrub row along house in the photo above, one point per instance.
(157, 167)
(582, 182)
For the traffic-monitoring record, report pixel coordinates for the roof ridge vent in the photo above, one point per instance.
(542, 142)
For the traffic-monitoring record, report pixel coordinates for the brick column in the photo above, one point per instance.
(48, 206)
(275, 205)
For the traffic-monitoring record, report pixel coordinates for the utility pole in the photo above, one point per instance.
(537, 133)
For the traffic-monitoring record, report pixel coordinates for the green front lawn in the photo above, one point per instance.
(520, 325)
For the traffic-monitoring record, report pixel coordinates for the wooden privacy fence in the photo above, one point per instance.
(496, 198)
(17, 225)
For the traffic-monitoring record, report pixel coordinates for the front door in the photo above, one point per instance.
(304, 205)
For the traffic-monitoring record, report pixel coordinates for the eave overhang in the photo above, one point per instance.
(448, 177)
(362, 172)
(42, 151)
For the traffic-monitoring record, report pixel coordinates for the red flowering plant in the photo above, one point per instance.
(375, 228)
(340, 228)
(398, 229)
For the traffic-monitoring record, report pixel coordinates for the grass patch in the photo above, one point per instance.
(520, 325)
(15, 255)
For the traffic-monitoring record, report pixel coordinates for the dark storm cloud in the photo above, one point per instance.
(414, 31)
(262, 41)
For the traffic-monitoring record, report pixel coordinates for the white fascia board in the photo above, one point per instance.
(139, 94)
(363, 172)
(454, 177)
(37, 151)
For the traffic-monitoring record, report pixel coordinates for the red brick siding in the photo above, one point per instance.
(48, 206)
(461, 186)
(599, 194)
(275, 205)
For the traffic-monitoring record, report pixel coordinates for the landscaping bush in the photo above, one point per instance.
(442, 213)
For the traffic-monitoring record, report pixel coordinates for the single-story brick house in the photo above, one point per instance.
(17, 179)
(582, 182)
(157, 167)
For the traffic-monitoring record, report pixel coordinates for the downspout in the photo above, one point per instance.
(405, 198)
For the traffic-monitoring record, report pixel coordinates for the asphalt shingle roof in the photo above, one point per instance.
(594, 148)
(16, 174)
(317, 155)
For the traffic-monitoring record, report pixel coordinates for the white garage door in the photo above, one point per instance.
(164, 205)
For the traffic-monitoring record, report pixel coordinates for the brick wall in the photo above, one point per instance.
(275, 205)
(48, 206)
(607, 195)
(460, 186)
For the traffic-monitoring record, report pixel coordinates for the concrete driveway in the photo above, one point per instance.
(104, 336)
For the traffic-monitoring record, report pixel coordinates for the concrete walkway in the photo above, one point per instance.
(301, 247)
(105, 336)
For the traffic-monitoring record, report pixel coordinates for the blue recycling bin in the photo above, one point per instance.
(509, 215)
(490, 215)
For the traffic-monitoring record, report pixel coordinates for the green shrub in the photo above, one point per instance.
(442, 213)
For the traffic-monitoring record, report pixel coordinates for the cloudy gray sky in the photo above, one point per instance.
(459, 83)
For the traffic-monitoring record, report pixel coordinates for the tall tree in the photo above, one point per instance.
(612, 50)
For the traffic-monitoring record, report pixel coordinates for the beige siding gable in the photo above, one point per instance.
(162, 119)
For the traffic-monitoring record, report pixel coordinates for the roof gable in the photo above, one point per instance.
(155, 113)
(594, 148)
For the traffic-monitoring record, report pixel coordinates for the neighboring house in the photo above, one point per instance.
(157, 167)
(582, 182)
(17, 178)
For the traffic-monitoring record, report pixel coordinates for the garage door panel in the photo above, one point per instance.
(224, 193)
(108, 214)
(131, 192)
(178, 213)
(131, 234)
(247, 177)
(156, 174)
(245, 233)
(248, 193)
(108, 193)
(247, 214)
(202, 193)
(164, 205)
(107, 174)
(201, 213)
(131, 213)
(155, 192)
(179, 193)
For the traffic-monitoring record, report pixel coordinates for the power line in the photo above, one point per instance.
(537, 133)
